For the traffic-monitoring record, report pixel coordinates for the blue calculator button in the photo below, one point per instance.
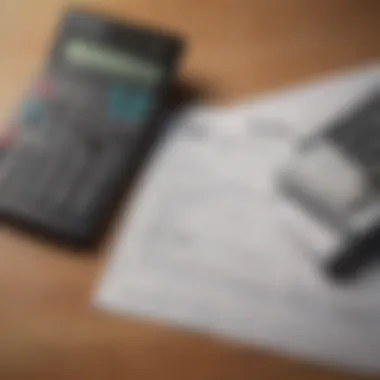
(118, 101)
(141, 106)
(32, 112)
(128, 104)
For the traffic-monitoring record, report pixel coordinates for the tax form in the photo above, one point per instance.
(210, 244)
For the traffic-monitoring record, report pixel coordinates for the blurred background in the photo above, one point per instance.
(236, 49)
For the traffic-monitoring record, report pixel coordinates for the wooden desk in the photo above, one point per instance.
(237, 47)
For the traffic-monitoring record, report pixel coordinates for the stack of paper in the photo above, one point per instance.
(210, 244)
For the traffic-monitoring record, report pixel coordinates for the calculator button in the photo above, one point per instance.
(43, 169)
(128, 104)
(93, 187)
(32, 113)
(142, 105)
(44, 88)
(70, 169)
(7, 137)
(12, 174)
(94, 145)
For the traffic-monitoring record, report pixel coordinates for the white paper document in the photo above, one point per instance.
(208, 242)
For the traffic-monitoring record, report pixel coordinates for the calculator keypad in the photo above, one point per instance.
(63, 162)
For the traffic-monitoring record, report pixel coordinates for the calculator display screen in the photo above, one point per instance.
(106, 59)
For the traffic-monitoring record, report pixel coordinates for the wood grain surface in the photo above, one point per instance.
(237, 48)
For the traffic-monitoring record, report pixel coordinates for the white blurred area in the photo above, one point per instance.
(211, 244)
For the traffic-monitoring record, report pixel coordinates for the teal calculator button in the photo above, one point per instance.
(128, 104)
(141, 105)
(32, 112)
(118, 103)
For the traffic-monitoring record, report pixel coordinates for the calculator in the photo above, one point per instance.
(84, 125)
(335, 177)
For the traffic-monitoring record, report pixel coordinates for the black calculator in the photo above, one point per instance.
(80, 132)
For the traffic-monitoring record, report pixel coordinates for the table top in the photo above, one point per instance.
(237, 48)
